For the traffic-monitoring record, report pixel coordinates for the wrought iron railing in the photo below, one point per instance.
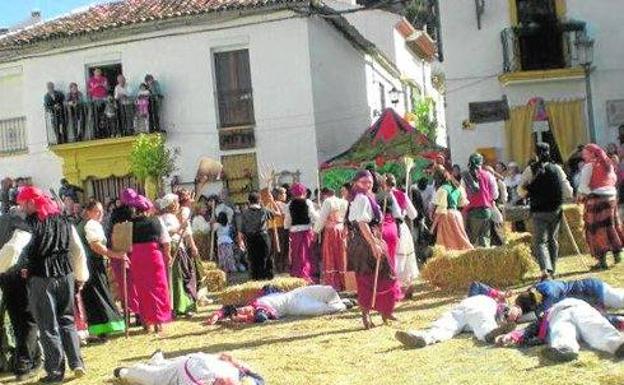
(536, 47)
(13, 135)
(101, 119)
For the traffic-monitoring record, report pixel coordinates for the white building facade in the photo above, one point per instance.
(520, 49)
(311, 87)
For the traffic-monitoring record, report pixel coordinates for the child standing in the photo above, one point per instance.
(225, 244)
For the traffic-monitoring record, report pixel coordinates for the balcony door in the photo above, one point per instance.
(540, 35)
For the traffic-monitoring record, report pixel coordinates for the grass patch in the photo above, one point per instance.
(334, 350)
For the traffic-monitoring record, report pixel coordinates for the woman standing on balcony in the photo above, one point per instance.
(98, 92)
(151, 253)
(75, 114)
(126, 107)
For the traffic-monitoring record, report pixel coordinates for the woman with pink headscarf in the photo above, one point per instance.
(365, 245)
(151, 254)
(299, 217)
(597, 188)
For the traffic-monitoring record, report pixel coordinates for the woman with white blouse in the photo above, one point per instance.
(103, 317)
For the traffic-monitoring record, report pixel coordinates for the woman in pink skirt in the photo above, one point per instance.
(448, 223)
(365, 246)
(299, 218)
(148, 265)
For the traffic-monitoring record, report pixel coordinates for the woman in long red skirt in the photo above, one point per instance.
(148, 264)
(365, 247)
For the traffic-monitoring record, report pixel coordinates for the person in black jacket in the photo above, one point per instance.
(56, 263)
(14, 237)
(545, 184)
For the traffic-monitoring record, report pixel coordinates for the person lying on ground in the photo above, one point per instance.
(542, 296)
(193, 368)
(273, 304)
(485, 312)
(563, 325)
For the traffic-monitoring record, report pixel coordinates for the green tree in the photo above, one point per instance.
(151, 160)
(426, 122)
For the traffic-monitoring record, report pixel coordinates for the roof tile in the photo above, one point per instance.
(120, 13)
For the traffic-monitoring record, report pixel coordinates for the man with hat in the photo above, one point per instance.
(481, 191)
(545, 184)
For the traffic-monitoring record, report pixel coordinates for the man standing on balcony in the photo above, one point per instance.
(53, 102)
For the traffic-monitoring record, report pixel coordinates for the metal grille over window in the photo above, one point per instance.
(13, 135)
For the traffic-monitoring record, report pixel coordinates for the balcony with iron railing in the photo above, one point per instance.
(13, 136)
(535, 52)
(74, 122)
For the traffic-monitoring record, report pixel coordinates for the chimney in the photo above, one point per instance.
(35, 16)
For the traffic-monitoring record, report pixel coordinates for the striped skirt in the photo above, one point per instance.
(603, 229)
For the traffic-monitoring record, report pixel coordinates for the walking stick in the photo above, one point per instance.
(124, 275)
(376, 279)
(212, 232)
(568, 231)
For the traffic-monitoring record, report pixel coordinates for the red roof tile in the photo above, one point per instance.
(121, 13)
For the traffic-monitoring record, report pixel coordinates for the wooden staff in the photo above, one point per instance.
(568, 231)
(212, 230)
(383, 213)
(318, 199)
(124, 285)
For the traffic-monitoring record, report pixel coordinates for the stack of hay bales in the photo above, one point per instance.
(213, 278)
(239, 295)
(498, 266)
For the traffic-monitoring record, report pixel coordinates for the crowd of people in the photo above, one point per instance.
(367, 237)
(105, 111)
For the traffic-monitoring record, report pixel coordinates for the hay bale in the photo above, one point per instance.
(499, 266)
(243, 293)
(574, 216)
(214, 280)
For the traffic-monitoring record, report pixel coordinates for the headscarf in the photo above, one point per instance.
(44, 205)
(168, 200)
(139, 202)
(127, 196)
(598, 155)
(298, 190)
(371, 198)
(471, 177)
